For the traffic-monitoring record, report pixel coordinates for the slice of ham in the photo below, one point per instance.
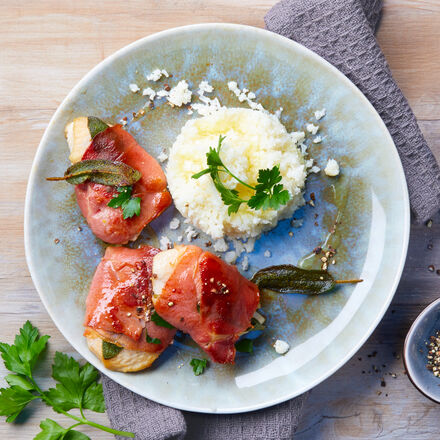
(201, 295)
(108, 224)
(120, 299)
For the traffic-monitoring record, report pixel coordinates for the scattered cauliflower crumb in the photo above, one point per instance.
(165, 242)
(180, 94)
(162, 157)
(180, 238)
(281, 347)
(297, 136)
(162, 93)
(317, 140)
(245, 95)
(156, 75)
(245, 263)
(319, 114)
(207, 107)
(174, 223)
(315, 169)
(249, 245)
(149, 92)
(311, 128)
(230, 257)
(134, 88)
(267, 253)
(191, 233)
(204, 87)
(220, 245)
(332, 168)
(278, 112)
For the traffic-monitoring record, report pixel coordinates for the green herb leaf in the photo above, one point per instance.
(74, 381)
(269, 193)
(160, 321)
(287, 278)
(21, 357)
(131, 206)
(244, 346)
(20, 381)
(110, 350)
(50, 430)
(75, 435)
(100, 171)
(13, 400)
(95, 125)
(152, 340)
(198, 365)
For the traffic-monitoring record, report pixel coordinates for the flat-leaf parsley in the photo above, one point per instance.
(131, 206)
(269, 192)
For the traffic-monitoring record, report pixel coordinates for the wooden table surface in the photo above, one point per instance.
(48, 45)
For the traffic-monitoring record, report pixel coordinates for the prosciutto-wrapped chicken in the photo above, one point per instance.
(203, 296)
(115, 145)
(120, 327)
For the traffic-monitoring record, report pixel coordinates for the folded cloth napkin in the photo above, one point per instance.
(342, 31)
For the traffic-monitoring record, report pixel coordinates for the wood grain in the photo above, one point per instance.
(47, 46)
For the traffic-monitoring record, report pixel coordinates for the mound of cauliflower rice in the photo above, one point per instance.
(254, 140)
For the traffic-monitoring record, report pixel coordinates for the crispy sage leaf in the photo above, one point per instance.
(110, 350)
(287, 278)
(100, 171)
(95, 125)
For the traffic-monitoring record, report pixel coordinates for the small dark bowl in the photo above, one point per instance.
(415, 352)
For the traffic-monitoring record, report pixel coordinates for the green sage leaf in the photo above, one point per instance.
(100, 171)
(110, 350)
(95, 125)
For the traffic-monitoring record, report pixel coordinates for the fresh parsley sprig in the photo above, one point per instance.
(198, 365)
(76, 387)
(269, 192)
(131, 206)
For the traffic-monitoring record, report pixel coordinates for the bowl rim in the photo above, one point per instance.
(257, 32)
(406, 354)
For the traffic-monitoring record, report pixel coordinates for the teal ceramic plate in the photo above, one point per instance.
(370, 197)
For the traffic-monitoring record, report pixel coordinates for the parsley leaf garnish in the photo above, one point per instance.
(131, 206)
(151, 340)
(76, 387)
(198, 365)
(245, 346)
(160, 321)
(269, 192)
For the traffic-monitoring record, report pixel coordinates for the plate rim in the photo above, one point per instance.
(88, 356)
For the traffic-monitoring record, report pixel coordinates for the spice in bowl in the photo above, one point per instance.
(434, 354)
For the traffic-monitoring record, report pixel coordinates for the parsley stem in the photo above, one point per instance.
(236, 178)
(97, 425)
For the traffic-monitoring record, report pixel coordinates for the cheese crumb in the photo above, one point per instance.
(180, 94)
(162, 157)
(220, 245)
(230, 257)
(297, 136)
(134, 88)
(165, 243)
(191, 233)
(156, 75)
(267, 253)
(281, 347)
(174, 223)
(311, 128)
(332, 168)
(319, 114)
(204, 87)
(149, 92)
(245, 263)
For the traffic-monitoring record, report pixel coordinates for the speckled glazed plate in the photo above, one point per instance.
(370, 197)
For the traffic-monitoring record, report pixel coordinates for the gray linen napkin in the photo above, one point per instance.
(342, 31)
